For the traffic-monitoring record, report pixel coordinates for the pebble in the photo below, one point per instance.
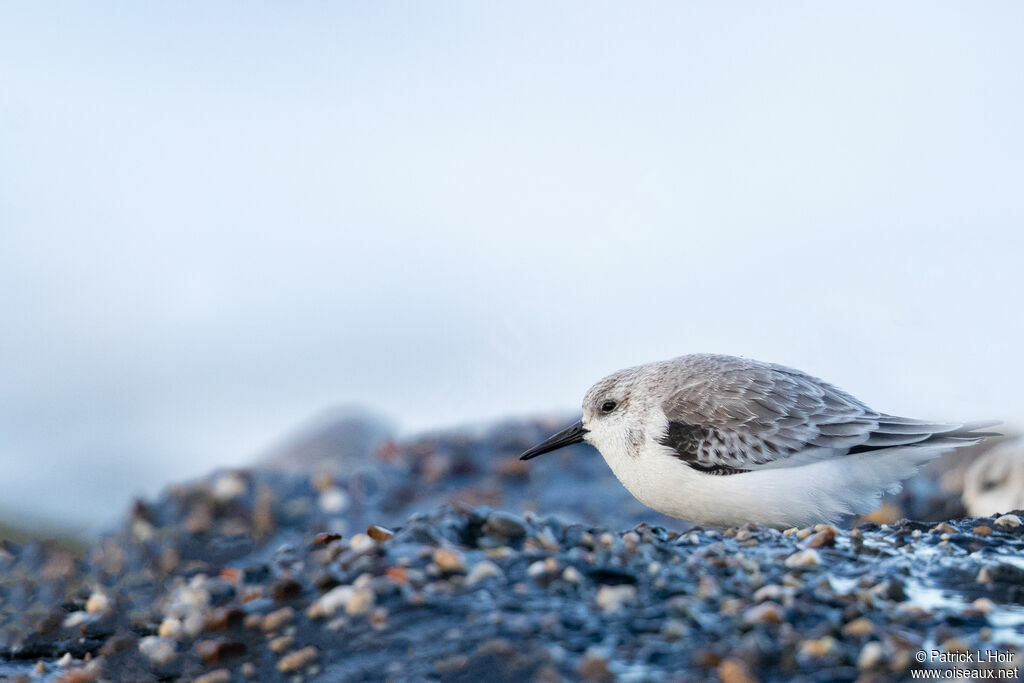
(594, 665)
(353, 600)
(734, 671)
(449, 560)
(362, 543)
(277, 619)
(159, 651)
(859, 627)
(983, 530)
(215, 676)
(870, 655)
(820, 539)
(504, 525)
(482, 570)
(818, 648)
(572, 575)
(1008, 521)
(229, 486)
(765, 613)
(612, 598)
(170, 628)
(379, 533)
(803, 558)
(298, 659)
(98, 603)
(334, 501)
(216, 651)
(281, 643)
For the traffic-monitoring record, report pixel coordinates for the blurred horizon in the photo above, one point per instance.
(217, 221)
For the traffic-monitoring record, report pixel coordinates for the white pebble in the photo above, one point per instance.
(482, 570)
(98, 603)
(159, 651)
(1008, 520)
(804, 558)
(612, 598)
(333, 500)
(229, 486)
(572, 575)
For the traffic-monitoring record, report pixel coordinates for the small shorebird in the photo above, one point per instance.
(722, 440)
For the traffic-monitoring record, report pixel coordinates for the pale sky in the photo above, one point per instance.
(219, 219)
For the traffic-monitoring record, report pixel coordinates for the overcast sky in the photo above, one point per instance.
(219, 219)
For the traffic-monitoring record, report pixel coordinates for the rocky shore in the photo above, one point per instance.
(416, 562)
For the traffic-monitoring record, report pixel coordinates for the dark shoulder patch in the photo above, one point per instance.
(687, 441)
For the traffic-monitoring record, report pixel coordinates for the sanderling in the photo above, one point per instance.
(722, 440)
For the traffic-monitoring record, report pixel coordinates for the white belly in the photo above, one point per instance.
(821, 491)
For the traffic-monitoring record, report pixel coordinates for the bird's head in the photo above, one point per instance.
(614, 416)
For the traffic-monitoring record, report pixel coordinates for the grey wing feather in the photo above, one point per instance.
(732, 415)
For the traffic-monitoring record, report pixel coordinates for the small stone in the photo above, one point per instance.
(324, 538)
(734, 671)
(449, 560)
(593, 665)
(353, 600)
(361, 602)
(820, 539)
(40, 668)
(215, 676)
(378, 619)
(170, 628)
(612, 598)
(285, 589)
(859, 627)
(482, 570)
(1008, 521)
(224, 619)
(277, 619)
(954, 645)
(333, 500)
(983, 530)
(765, 613)
(984, 575)
(379, 533)
(674, 629)
(216, 651)
(249, 670)
(803, 558)
(504, 525)
(536, 570)
(361, 543)
(817, 648)
(943, 528)
(572, 575)
(281, 643)
(298, 659)
(870, 655)
(159, 651)
(229, 486)
(98, 603)
(983, 606)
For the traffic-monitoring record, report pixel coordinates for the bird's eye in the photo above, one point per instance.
(608, 406)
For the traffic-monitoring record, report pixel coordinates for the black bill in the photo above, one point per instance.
(566, 437)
